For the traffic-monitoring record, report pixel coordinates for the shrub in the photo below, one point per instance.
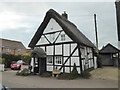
(66, 76)
(74, 71)
(2, 60)
(70, 76)
(26, 57)
(9, 58)
(24, 72)
(46, 74)
(85, 74)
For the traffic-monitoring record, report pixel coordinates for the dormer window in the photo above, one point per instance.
(62, 37)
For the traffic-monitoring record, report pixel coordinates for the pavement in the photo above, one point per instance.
(10, 80)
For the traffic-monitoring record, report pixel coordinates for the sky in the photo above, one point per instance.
(20, 20)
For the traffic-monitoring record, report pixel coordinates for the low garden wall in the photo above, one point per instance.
(1, 67)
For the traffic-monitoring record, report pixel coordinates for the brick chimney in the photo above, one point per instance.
(65, 15)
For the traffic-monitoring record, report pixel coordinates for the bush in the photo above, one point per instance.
(74, 71)
(85, 74)
(26, 57)
(9, 58)
(24, 72)
(70, 76)
(46, 74)
(2, 60)
(66, 76)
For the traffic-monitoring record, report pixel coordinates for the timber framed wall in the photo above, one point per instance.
(64, 51)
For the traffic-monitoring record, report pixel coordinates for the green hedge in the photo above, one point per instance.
(9, 58)
(2, 60)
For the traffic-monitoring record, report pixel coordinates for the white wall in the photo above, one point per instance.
(51, 27)
(54, 26)
(1, 67)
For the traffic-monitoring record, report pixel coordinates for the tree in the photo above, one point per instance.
(26, 57)
(74, 71)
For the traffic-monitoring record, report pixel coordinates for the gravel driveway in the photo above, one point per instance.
(12, 81)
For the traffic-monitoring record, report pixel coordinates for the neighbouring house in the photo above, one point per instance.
(28, 50)
(12, 47)
(109, 55)
(118, 17)
(58, 44)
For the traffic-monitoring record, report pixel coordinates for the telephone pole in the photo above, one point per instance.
(96, 32)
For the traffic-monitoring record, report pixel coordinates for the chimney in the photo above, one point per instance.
(65, 15)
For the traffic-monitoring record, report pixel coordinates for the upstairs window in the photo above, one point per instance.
(19, 50)
(8, 50)
(62, 37)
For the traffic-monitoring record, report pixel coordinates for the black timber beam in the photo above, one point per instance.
(68, 57)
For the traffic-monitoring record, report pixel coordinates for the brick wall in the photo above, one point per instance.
(13, 51)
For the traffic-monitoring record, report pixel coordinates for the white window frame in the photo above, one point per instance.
(58, 60)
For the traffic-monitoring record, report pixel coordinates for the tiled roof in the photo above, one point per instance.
(11, 44)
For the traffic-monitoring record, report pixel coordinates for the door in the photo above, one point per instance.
(42, 65)
(36, 65)
(107, 60)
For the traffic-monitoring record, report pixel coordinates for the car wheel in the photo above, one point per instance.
(12, 68)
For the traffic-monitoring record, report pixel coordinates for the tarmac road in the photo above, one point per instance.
(10, 80)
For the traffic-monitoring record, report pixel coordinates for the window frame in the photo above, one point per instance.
(58, 60)
(62, 37)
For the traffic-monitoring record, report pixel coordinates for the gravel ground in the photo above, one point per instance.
(106, 73)
(10, 80)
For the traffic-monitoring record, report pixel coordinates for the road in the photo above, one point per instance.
(10, 80)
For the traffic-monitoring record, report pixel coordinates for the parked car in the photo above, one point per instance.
(18, 64)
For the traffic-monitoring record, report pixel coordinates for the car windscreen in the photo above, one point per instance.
(18, 62)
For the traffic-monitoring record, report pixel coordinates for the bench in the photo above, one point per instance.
(55, 72)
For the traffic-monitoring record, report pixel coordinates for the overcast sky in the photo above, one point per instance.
(20, 20)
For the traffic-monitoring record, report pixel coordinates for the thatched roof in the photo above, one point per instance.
(39, 52)
(69, 28)
(109, 49)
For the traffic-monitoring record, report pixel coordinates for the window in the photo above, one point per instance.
(8, 50)
(62, 37)
(58, 60)
(50, 59)
(19, 50)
